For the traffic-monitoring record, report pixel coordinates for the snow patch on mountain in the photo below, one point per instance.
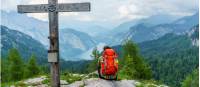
(193, 33)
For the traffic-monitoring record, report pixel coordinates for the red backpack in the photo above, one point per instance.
(109, 66)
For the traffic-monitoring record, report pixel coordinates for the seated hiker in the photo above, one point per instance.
(109, 63)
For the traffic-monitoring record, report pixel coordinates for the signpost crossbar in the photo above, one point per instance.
(63, 7)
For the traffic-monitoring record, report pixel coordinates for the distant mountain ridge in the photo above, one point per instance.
(81, 42)
(24, 43)
(150, 21)
(144, 32)
(72, 42)
(28, 25)
(170, 42)
(171, 56)
(117, 35)
(194, 35)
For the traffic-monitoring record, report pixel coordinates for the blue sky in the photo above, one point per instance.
(110, 13)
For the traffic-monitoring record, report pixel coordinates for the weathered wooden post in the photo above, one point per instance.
(53, 8)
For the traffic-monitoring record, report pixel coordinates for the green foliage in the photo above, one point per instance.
(25, 45)
(169, 43)
(44, 69)
(192, 80)
(4, 70)
(32, 68)
(172, 68)
(74, 66)
(70, 78)
(92, 75)
(132, 64)
(16, 84)
(83, 85)
(20, 84)
(171, 58)
(15, 67)
(94, 64)
(46, 81)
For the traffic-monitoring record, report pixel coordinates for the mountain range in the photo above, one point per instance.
(73, 43)
(171, 56)
(25, 44)
(115, 36)
(170, 48)
(38, 30)
(28, 25)
(70, 48)
(168, 43)
(171, 42)
(144, 31)
(81, 43)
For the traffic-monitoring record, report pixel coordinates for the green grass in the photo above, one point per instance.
(70, 78)
(46, 81)
(19, 83)
(83, 85)
(93, 75)
(16, 84)
(122, 76)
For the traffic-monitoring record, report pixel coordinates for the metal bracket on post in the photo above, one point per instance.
(52, 56)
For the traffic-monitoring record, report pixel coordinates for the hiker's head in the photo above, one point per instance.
(106, 47)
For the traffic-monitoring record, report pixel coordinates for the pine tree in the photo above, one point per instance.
(93, 65)
(4, 70)
(32, 68)
(192, 80)
(15, 65)
(133, 65)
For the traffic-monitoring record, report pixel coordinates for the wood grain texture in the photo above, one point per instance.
(53, 8)
(44, 8)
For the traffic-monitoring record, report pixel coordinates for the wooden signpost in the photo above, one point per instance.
(52, 8)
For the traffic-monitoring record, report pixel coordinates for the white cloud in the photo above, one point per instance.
(85, 18)
(124, 11)
(69, 13)
(40, 16)
(38, 2)
(9, 5)
(129, 12)
(113, 12)
(73, 1)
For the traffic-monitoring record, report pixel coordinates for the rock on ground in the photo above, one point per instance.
(91, 82)
(96, 82)
(35, 81)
